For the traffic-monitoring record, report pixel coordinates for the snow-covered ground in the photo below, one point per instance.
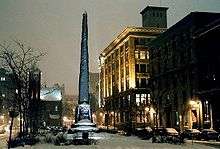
(114, 141)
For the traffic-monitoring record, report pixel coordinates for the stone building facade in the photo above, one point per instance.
(184, 74)
(124, 95)
(124, 91)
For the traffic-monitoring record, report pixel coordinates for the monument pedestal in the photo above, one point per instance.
(84, 127)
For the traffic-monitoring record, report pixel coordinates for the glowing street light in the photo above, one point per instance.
(65, 118)
(147, 109)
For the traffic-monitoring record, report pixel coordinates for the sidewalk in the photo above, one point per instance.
(208, 143)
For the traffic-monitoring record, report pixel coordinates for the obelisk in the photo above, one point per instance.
(84, 64)
(83, 116)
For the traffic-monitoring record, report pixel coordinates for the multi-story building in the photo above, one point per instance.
(124, 91)
(7, 94)
(184, 73)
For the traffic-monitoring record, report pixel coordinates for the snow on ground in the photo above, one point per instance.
(114, 141)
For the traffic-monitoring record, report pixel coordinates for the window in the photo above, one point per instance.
(136, 67)
(3, 95)
(2, 78)
(143, 82)
(143, 98)
(147, 68)
(142, 55)
(143, 68)
(136, 54)
(148, 98)
(129, 98)
(138, 99)
(148, 55)
(137, 83)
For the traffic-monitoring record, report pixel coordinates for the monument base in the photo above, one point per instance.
(84, 127)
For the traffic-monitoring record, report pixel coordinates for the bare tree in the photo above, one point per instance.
(20, 59)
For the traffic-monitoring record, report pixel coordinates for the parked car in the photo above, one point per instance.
(191, 134)
(144, 133)
(166, 135)
(209, 134)
(171, 132)
(165, 131)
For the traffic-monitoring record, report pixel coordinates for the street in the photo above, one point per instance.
(115, 141)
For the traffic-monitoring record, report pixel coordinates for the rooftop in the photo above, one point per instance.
(153, 7)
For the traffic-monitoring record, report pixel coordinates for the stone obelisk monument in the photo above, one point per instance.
(84, 64)
(83, 116)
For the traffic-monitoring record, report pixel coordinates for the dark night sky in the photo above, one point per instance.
(55, 25)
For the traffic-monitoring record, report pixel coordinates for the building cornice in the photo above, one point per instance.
(131, 30)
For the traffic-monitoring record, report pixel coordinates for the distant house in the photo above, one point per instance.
(69, 105)
(51, 105)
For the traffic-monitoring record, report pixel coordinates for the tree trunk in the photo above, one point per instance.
(9, 142)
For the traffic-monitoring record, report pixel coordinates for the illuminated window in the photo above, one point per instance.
(2, 78)
(129, 98)
(142, 55)
(138, 99)
(148, 55)
(148, 98)
(136, 54)
(3, 95)
(56, 108)
(143, 98)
